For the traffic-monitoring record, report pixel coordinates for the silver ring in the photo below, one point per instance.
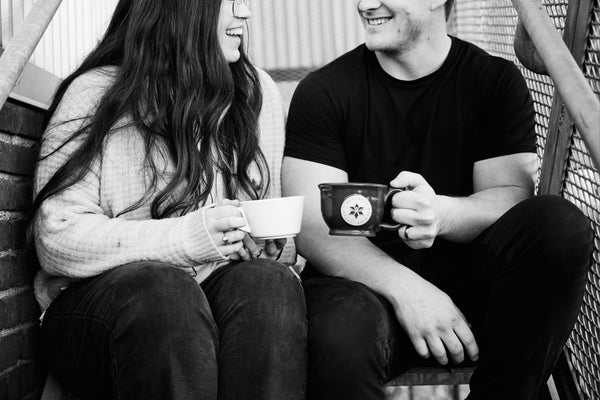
(225, 238)
(260, 251)
(406, 232)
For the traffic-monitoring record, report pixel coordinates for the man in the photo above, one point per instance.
(479, 270)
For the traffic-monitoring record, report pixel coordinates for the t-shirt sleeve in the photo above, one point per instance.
(508, 120)
(315, 124)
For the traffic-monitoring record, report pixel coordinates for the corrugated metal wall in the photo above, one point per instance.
(284, 34)
(293, 34)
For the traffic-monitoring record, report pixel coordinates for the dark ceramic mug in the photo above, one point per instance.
(355, 209)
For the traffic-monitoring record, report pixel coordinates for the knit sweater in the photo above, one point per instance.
(82, 231)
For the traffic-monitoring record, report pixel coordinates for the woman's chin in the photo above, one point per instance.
(232, 56)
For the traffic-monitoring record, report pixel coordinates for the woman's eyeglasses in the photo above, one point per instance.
(237, 3)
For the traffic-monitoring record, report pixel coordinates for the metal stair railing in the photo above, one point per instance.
(20, 48)
(580, 101)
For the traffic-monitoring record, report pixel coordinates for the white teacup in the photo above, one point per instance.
(273, 218)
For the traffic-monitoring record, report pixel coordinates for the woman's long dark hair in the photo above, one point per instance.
(175, 86)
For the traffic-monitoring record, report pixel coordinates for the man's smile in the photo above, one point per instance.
(377, 21)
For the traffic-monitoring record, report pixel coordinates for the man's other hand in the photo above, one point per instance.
(435, 325)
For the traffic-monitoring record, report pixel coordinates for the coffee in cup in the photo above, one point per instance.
(356, 209)
(274, 218)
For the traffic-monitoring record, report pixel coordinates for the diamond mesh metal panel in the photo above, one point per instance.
(581, 186)
(491, 25)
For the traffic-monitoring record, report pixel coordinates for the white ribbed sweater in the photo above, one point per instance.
(76, 232)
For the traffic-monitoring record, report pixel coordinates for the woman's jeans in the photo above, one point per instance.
(149, 331)
(519, 284)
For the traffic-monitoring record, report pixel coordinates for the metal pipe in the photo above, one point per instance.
(21, 46)
(581, 102)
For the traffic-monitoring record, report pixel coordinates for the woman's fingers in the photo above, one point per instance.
(280, 243)
(225, 221)
(251, 246)
(270, 248)
(231, 249)
(228, 237)
(244, 254)
(228, 223)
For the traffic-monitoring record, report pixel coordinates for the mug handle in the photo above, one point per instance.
(245, 228)
(385, 225)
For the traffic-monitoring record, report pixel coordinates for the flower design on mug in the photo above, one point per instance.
(356, 210)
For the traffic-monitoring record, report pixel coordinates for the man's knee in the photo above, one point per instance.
(557, 230)
(349, 329)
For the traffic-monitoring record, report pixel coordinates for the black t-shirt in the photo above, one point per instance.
(352, 115)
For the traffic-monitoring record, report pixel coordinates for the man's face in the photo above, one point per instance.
(393, 26)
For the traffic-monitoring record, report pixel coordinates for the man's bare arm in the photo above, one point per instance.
(499, 184)
(434, 324)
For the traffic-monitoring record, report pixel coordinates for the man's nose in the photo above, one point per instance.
(368, 5)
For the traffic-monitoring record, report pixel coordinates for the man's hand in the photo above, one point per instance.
(417, 209)
(434, 324)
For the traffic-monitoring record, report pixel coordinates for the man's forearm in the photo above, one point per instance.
(466, 217)
(353, 258)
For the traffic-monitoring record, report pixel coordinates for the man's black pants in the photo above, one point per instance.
(520, 285)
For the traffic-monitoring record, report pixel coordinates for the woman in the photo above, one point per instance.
(149, 288)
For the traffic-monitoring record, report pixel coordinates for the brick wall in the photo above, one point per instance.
(22, 371)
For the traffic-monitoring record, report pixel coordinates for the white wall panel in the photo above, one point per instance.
(284, 34)
(74, 31)
(293, 34)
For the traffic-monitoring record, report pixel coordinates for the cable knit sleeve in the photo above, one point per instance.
(76, 234)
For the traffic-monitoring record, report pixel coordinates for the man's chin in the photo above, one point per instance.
(379, 46)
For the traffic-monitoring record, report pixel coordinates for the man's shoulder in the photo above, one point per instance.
(341, 72)
(478, 61)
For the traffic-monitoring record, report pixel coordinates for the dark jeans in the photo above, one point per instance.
(520, 284)
(149, 331)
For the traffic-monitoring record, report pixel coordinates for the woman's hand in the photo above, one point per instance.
(223, 222)
(269, 249)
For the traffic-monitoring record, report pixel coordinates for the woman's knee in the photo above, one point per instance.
(265, 281)
(263, 291)
(154, 299)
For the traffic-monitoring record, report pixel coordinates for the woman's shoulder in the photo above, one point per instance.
(267, 84)
(97, 79)
(83, 94)
(272, 103)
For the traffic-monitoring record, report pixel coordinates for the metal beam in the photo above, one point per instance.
(18, 51)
